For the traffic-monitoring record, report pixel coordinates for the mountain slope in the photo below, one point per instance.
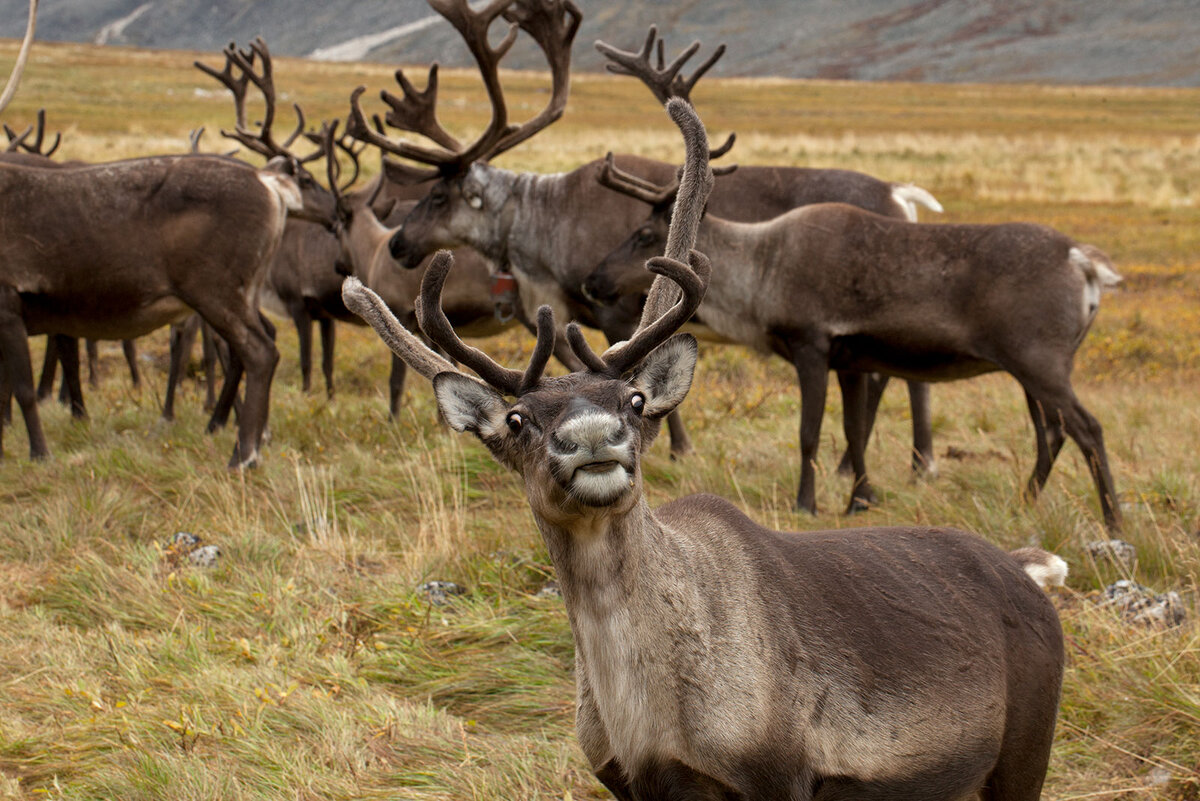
(1052, 41)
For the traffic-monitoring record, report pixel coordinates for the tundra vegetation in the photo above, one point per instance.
(308, 665)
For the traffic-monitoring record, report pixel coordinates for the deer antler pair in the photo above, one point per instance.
(263, 141)
(551, 23)
(657, 326)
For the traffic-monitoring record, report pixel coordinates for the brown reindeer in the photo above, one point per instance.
(752, 194)
(831, 286)
(717, 659)
(150, 240)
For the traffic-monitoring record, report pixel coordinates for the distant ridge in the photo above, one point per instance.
(987, 41)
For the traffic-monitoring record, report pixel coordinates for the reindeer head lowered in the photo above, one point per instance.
(576, 439)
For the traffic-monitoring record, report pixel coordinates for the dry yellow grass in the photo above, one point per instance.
(307, 665)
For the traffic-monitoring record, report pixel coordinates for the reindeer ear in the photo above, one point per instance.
(665, 376)
(470, 405)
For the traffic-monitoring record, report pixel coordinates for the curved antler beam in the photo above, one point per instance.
(369, 306)
(436, 325)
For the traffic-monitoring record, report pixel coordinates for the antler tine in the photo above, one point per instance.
(436, 326)
(369, 306)
(237, 86)
(417, 110)
(16, 141)
(358, 127)
(694, 185)
(36, 147)
(618, 180)
(682, 87)
(194, 139)
(330, 143)
(542, 351)
(333, 170)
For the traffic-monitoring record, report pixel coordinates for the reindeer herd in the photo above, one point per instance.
(714, 658)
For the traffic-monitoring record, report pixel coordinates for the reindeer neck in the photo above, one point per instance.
(600, 559)
(734, 304)
(363, 239)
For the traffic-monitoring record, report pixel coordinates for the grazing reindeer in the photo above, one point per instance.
(150, 240)
(831, 286)
(717, 659)
(751, 194)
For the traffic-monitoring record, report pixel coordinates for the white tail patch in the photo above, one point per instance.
(1098, 274)
(284, 188)
(909, 196)
(1046, 569)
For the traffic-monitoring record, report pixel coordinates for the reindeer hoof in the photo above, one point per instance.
(858, 505)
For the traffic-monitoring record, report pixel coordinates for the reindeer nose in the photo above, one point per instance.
(598, 288)
(402, 253)
(586, 426)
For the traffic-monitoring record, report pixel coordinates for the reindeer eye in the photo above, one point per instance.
(514, 422)
(638, 403)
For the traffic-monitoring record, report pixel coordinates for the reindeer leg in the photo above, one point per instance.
(93, 359)
(14, 352)
(854, 401)
(5, 398)
(812, 371)
(876, 383)
(211, 355)
(328, 337)
(1049, 437)
(923, 458)
(303, 321)
(68, 354)
(129, 348)
(396, 385)
(251, 349)
(45, 387)
(1060, 403)
(183, 335)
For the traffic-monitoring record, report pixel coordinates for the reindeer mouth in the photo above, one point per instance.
(598, 467)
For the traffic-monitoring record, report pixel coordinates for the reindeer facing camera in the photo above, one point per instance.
(717, 659)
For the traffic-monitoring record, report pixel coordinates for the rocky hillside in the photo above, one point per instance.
(1051, 41)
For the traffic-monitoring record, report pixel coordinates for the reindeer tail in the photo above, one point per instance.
(1046, 569)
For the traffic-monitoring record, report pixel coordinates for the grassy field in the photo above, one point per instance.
(307, 664)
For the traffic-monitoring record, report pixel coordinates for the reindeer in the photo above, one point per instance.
(831, 286)
(753, 194)
(150, 240)
(715, 658)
